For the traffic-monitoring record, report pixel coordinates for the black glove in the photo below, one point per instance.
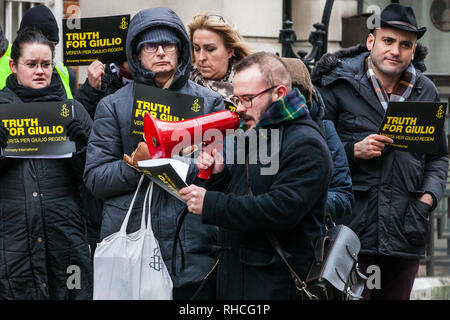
(3, 136)
(76, 133)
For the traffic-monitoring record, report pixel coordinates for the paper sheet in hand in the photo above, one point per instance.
(169, 174)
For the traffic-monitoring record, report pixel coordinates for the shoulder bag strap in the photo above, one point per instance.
(299, 283)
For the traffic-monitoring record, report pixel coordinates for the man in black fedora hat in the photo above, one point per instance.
(394, 190)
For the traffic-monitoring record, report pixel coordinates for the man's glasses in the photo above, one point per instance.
(33, 65)
(153, 47)
(215, 17)
(247, 101)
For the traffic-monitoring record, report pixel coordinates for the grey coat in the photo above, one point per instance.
(108, 177)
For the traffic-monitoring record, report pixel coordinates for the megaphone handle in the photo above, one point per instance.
(205, 174)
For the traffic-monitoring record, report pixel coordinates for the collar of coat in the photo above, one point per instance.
(330, 61)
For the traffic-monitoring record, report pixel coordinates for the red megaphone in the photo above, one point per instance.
(163, 137)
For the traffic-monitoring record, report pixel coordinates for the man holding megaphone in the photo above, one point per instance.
(248, 203)
(159, 55)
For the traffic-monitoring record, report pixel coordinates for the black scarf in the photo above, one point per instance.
(54, 92)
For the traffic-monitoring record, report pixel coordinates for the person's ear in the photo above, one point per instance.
(279, 92)
(370, 41)
(230, 53)
(12, 66)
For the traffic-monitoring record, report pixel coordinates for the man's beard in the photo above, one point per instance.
(247, 118)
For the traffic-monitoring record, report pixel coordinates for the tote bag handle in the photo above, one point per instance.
(123, 228)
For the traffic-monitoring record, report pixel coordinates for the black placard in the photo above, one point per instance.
(415, 126)
(163, 105)
(89, 39)
(37, 129)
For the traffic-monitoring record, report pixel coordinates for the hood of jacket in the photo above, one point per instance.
(346, 63)
(150, 18)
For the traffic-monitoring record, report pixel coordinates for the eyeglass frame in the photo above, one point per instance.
(51, 64)
(221, 18)
(159, 44)
(250, 97)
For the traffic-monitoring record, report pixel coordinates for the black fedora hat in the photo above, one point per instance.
(401, 17)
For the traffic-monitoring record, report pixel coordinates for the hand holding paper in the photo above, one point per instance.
(76, 133)
(141, 153)
(371, 146)
(193, 195)
(96, 70)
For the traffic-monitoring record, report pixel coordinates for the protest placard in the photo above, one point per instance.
(102, 38)
(163, 105)
(37, 129)
(415, 126)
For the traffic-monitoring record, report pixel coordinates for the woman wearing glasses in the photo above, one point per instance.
(216, 47)
(42, 229)
(158, 55)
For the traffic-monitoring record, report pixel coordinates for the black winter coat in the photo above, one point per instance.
(89, 98)
(340, 195)
(42, 230)
(290, 203)
(387, 215)
(108, 177)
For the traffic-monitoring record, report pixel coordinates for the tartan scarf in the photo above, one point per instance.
(291, 107)
(401, 91)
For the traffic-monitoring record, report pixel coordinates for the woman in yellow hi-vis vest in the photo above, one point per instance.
(62, 70)
(5, 52)
(42, 19)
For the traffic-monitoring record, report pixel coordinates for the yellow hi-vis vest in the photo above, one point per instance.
(65, 78)
(5, 70)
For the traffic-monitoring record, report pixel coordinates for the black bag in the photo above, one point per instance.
(334, 274)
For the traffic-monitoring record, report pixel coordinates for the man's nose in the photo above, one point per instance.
(395, 50)
(160, 50)
(240, 108)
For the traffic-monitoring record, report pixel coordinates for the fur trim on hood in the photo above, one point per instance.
(330, 60)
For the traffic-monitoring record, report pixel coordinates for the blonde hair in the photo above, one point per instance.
(216, 22)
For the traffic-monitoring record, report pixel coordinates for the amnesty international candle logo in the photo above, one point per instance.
(195, 106)
(65, 112)
(163, 105)
(156, 262)
(415, 126)
(440, 112)
(37, 129)
(123, 24)
(102, 38)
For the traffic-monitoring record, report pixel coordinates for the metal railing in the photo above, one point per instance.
(13, 11)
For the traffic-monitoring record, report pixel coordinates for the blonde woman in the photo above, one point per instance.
(216, 47)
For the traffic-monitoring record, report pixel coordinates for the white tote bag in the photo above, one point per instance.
(130, 266)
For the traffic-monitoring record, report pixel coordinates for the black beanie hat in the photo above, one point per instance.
(3, 42)
(41, 18)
